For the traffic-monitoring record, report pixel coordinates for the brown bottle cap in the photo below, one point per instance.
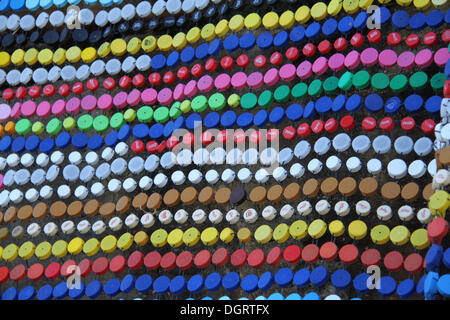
(368, 186)
(40, 210)
(427, 192)
(25, 213)
(244, 235)
(10, 214)
(172, 198)
(58, 209)
(311, 188)
(107, 209)
(18, 232)
(123, 204)
(329, 186)
(154, 201)
(91, 207)
(75, 209)
(410, 191)
(140, 201)
(1, 217)
(258, 195)
(189, 195)
(223, 196)
(275, 193)
(444, 156)
(4, 233)
(390, 191)
(206, 195)
(347, 186)
(292, 191)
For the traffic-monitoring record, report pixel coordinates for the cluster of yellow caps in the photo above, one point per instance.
(299, 229)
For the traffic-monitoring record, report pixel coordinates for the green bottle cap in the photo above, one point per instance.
(330, 85)
(437, 82)
(101, 123)
(217, 101)
(361, 79)
(345, 82)
(249, 101)
(299, 90)
(84, 122)
(161, 115)
(54, 126)
(145, 114)
(282, 93)
(418, 80)
(117, 120)
(199, 103)
(379, 81)
(315, 88)
(175, 110)
(23, 126)
(398, 83)
(265, 99)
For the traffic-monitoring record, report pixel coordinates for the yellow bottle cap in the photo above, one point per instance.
(59, 248)
(159, 238)
(91, 247)
(10, 252)
(364, 4)
(298, 229)
(179, 41)
(175, 238)
(357, 229)
(43, 250)
(10, 127)
(419, 239)
(233, 100)
(227, 235)
(399, 235)
(69, 123)
(439, 3)
(208, 32)
(30, 57)
(59, 56)
(403, 3)
(134, 45)
(108, 243)
(336, 228)
(118, 47)
(191, 237)
(17, 58)
(104, 49)
(45, 57)
(334, 7)
(244, 235)
(351, 6)
(236, 23)
(263, 234)
(303, 14)
(252, 21)
(317, 228)
(75, 245)
(209, 236)
(164, 42)
(37, 127)
(281, 233)
(125, 241)
(222, 28)
(287, 19)
(141, 238)
(380, 234)
(148, 44)
(439, 202)
(26, 250)
(270, 20)
(193, 35)
(5, 59)
(319, 11)
(185, 106)
(73, 54)
(88, 55)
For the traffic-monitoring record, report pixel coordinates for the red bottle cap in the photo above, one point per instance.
(109, 83)
(227, 63)
(8, 94)
(324, 47)
(211, 65)
(64, 90)
(273, 134)
(35, 91)
(125, 82)
(310, 253)
(138, 80)
(206, 138)
(369, 124)
(394, 39)
(260, 61)
(78, 88)
(189, 139)
(427, 126)
(413, 263)
(317, 126)
(370, 257)
(347, 123)
(168, 261)
(387, 124)
(172, 142)
(220, 257)
(276, 58)
(446, 36)
(393, 261)
(197, 70)
(239, 137)
(49, 90)
(169, 77)
(256, 258)
(183, 73)
(274, 256)
(185, 260)
(21, 92)
(152, 260)
(357, 40)
(412, 41)
(243, 61)
(292, 254)
(348, 254)
(223, 136)
(137, 146)
(447, 89)
(408, 124)
(162, 146)
(437, 230)
(309, 50)
(255, 137)
(328, 251)
(154, 79)
(289, 133)
(331, 125)
(374, 36)
(151, 146)
(430, 39)
(340, 44)
(238, 258)
(303, 130)
(202, 259)
(92, 84)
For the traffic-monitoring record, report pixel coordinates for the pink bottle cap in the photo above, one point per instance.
(105, 102)
(165, 96)
(222, 82)
(369, 56)
(320, 65)
(5, 111)
(352, 60)
(15, 111)
(336, 62)
(271, 77)
(120, 99)
(406, 60)
(255, 80)
(43, 109)
(28, 108)
(59, 107)
(424, 58)
(134, 97)
(178, 92)
(387, 58)
(304, 70)
(89, 103)
(441, 57)
(149, 96)
(239, 80)
(1, 182)
(73, 106)
(287, 72)
(191, 88)
(205, 83)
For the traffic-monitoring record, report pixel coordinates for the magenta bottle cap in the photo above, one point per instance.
(89, 103)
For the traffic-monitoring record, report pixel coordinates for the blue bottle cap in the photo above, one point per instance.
(127, 283)
(32, 5)
(93, 289)
(447, 16)
(124, 133)
(213, 282)
(140, 131)
(413, 103)
(193, 121)
(27, 293)
(430, 285)
(341, 279)
(195, 283)
(10, 294)
(360, 21)
(231, 281)
(301, 278)
(45, 292)
(294, 296)
(173, 59)
(33, 141)
(276, 115)
(47, 145)
(63, 140)
(260, 119)
(420, 285)
(281, 39)
(212, 119)
(177, 285)
(231, 43)
(80, 140)
(406, 288)
(144, 283)
(249, 283)
(433, 104)
(247, 41)
(329, 27)
(417, 21)
(208, 298)
(187, 55)
(338, 103)
(283, 277)
(245, 120)
(18, 145)
(158, 62)
(297, 35)
(17, 5)
(435, 19)
(5, 144)
(400, 19)
(360, 282)
(295, 112)
(168, 129)
(4, 5)
(259, 298)
(156, 131)
(178, 123)
(319, 276)
(112, 287)
(215, 47)
(221, 298)
(311, 296)
(434, 257)
(393, 105)
(345, 25)
(265, 282)
(323, 105)
(353, 103)
(446, 258)
(387, 286)
(95, 142)
(201, 52)
(447, 69)
(276, 296)
(60, 290)
(265, 40)
(385, 14)
(77, 293)
(374, 102)
(111, 138)
(313, 31)
(355, 299)
(443, 285)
